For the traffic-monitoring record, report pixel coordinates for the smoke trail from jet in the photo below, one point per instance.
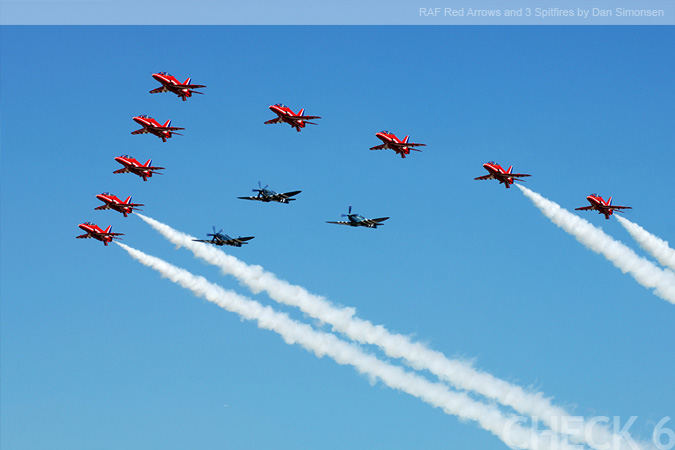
(489, 417)
(459, 373)
(625, 259)
(658, 248)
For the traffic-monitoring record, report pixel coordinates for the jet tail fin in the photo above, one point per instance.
(128, 199)
(510, 169)
(188, 81)
(405, 139)
(167, 123)
(107, 230)
(609, 201)
(301, 112)
(148, 163)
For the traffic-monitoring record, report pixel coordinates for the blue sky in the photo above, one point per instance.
(100, 352)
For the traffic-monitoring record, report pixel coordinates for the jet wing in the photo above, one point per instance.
(379, 147)
(485, 177)
(170, 128)
(106, 206)
(518, 175)
(112, 234)
(83, 236)
(159, 89)
(303, 117)
(191, 86)
(125, 170)
(407, 144)
(141, 131)
(584, 208)
(276, 120)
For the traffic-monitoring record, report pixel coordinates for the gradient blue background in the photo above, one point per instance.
(99, 352)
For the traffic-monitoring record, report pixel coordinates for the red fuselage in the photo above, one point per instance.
(112, 202)
(151, 126)
(130, 164)
(286, 115)
(497, 172)
(400, 146)
(171, 84)
(94, 231)
(601, 205)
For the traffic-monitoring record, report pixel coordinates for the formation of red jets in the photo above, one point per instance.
(184, 90)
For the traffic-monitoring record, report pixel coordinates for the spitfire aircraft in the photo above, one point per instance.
(94, 231)
(218, 238)
(151, 126)
(357, 220)
(497, 172)
(112, 202)
(402, 147)
(285, 114)
(130, 164)
(268, 195)
(602, 206)
(171, 84)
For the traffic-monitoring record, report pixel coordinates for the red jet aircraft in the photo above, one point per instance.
(93, 231)
(497, 172)
(150, 125)
(602, 206)
(402, 147)
(112, 202)
(285, 114)
(171, 84)
(132, 165)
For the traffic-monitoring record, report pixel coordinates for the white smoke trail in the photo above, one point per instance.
(459, 373)
(658, 248)
(322, 344)
(625, 259)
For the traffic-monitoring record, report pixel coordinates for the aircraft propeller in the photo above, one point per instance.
(349, 212)
(260, 188)
(214, 231)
